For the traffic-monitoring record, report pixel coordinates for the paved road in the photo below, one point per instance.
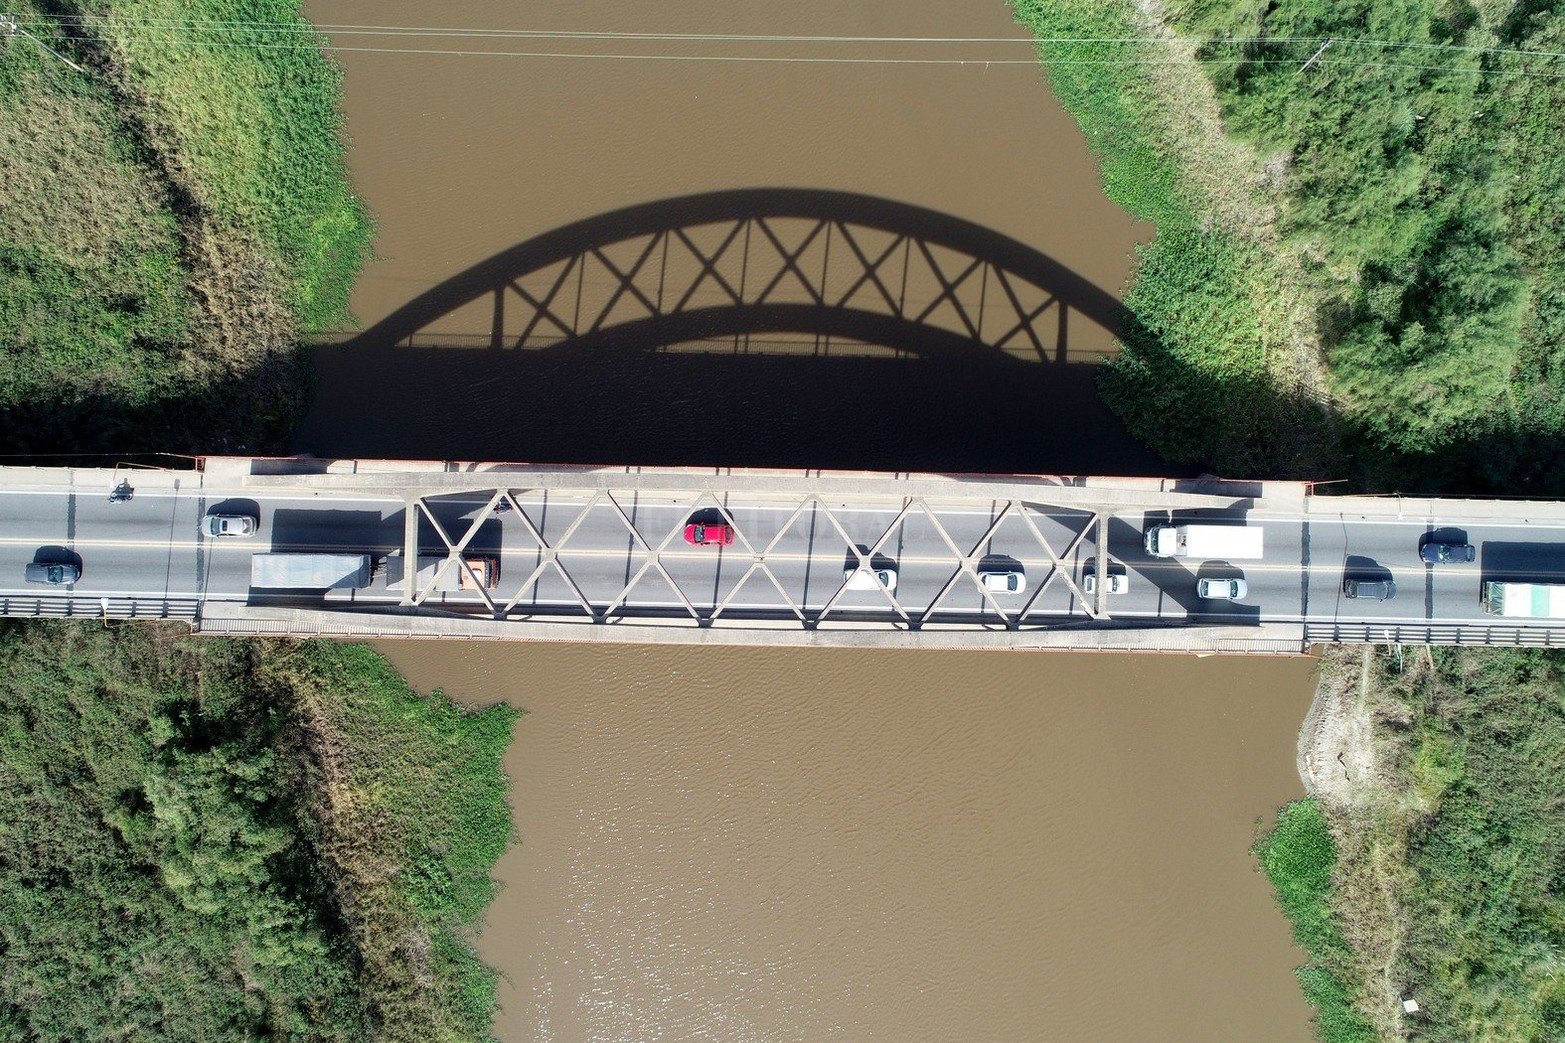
(151, 548)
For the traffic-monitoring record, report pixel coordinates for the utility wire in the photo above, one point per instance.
(188, 33)
(801, 60)
(359, 29)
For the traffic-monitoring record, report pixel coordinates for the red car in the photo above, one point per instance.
(700, 534)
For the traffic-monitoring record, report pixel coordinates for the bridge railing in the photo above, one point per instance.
(1434, 634)
(81, 606)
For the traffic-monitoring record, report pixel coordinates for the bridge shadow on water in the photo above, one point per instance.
(760, 327)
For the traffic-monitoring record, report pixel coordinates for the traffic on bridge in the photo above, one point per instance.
(438, 549)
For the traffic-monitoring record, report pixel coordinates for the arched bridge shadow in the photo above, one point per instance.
(766, 327)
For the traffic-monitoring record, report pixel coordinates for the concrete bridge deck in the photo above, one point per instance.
(597, 553)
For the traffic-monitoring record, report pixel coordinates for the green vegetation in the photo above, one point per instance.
(1412, 203)
(1209, 369)
(1426, 191)
(216, 840)
(207, 840)
(1298, 857)
(1467, 799)
(411, 802)
(170, 221)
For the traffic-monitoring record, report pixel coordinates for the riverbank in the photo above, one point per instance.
(208, 839)
(221, 839)
(1379, 304)
(174, 216)
(1217, 366)
(1405, 211)
(1446, 851)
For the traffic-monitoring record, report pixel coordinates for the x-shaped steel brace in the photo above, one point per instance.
(967, 562)
(757, 559)
(453, 556)
(654, 561)
(549, 557)
(866, 561)
(1057, 564)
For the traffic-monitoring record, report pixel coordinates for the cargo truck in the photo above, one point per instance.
(1230, 542)
(284, 571)
(455, 578)
(1525, 600)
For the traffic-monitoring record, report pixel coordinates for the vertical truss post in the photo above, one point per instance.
(1100, 594)
(410, 506)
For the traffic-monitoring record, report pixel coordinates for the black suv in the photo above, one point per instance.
(1378, 589)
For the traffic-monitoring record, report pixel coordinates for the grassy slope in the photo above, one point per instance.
(176, 216)
(160, 876)
(411, 802)
(1474, 742)
(1208, 372)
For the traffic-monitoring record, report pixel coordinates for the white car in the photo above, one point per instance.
(230, 525)
(1119, 582)
(1010, 581)
(1221, 589)
(869, 579)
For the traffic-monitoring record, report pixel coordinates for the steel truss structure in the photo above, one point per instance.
(755, 559)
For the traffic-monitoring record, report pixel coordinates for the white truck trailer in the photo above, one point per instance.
(1525, 600)
(1230, 542)
(455, 579)
(285, 571)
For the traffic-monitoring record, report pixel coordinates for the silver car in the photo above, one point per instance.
(230, 525)
(53, 573)
(1221, 589)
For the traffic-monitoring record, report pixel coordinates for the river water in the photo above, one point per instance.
(743, 844)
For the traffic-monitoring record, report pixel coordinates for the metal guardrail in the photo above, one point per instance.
(1435, 634)
(75, 606)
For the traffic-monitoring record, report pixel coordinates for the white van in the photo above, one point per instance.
(869, 579)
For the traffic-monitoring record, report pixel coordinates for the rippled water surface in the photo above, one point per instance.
(734, 844)
(747, 844)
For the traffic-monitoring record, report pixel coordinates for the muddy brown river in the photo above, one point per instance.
(738, 844)
(750, 844)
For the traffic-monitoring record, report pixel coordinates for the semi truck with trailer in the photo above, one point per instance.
(1524, 600)
(290, 571)
(1230, 542)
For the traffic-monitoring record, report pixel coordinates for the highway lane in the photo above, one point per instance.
(151, 547)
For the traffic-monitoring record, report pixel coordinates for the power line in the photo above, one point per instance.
(361, 29)
(801, 60)
(186, 34)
